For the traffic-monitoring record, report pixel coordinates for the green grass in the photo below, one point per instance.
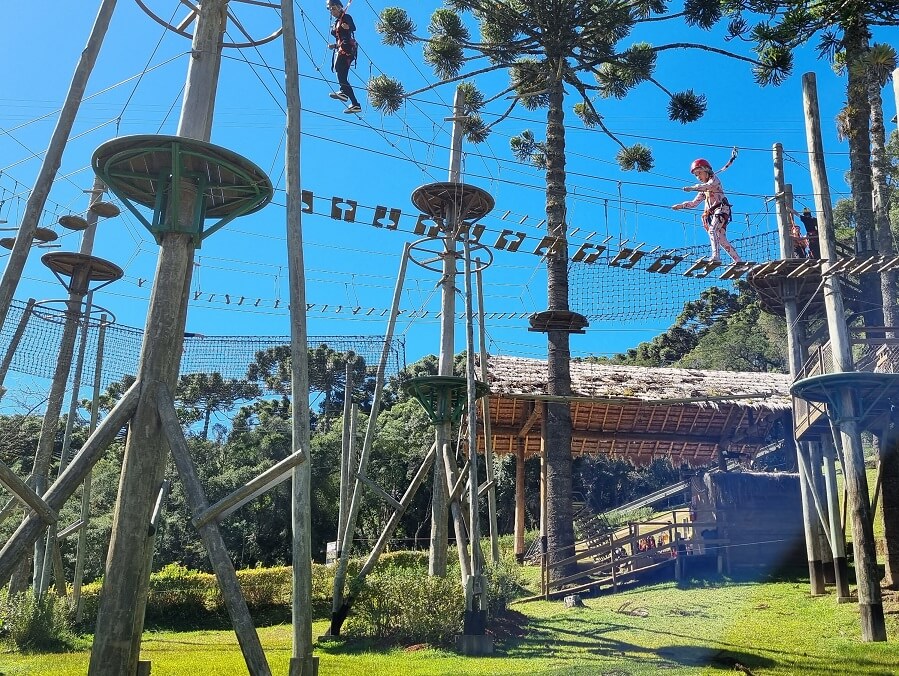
(771, 628)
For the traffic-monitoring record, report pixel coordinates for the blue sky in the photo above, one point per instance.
(376, 160)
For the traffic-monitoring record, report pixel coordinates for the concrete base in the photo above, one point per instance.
(474, 645)
(301, 667)
(846, 599)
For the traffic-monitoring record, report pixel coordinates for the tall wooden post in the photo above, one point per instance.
(869, 598)
(52, 158)
(443, 431)
(835, 523)
(519, 500)
(127, 576)
(302, 663)
(784, 203)
(81, 549)
(485, 417)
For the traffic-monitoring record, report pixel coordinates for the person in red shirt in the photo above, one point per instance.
(344, 54)
(717, 211)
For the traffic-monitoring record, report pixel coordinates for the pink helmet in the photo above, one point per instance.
(700, 164)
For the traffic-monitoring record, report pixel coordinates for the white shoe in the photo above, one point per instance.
(340, 96)
(355, 108)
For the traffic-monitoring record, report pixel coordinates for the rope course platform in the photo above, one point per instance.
(152, 171)
(873, 394)
(228, 355)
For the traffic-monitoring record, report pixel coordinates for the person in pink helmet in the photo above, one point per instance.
(717, 212)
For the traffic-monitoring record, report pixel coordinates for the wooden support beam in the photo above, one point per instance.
(622, 437)
(251, 490)
(529, 423)
(250, 646)
(24, 492)
(68, 482)
(380, 492)
(68, 530)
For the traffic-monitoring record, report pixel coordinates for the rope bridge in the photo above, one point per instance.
(603, 290)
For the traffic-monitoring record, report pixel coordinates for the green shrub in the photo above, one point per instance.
(406, 606)
(505, 583)
(35, 624)
(180, 597)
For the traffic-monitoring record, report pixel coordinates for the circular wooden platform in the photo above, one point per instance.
(105, 209)
(67, 264)
(45, 235)
(435, 199)
(137, 168)
(872, 393)
(73, 222)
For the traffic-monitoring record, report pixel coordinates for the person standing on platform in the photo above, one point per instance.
(811, 231)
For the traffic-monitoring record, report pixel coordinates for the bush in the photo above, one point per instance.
(504, 584)
(33, 624)
(406, 606)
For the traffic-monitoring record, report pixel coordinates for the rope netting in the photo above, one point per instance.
(601, 291)
(38, 350)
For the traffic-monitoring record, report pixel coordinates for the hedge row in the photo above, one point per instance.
(181, 598)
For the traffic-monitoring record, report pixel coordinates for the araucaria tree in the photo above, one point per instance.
(549, 47)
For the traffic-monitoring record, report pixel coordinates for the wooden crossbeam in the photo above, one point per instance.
(380, 492)
(251, 490)
(26, 494)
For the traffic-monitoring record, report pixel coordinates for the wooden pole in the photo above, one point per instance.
(127, 579)
(784, 203)
(302, 663)
(53, 157)
(485, 416)
(519, 500)
(14, 343)
(837, 535)
(870, 603)
(345, 468)
(47, 439)
(476, 591)
(63, 488)
(212, 539)
(439, 530)
(81, 550)
(339, 609)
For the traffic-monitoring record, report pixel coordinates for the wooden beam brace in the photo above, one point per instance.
(529, 423)
(456, 490)
(26, 494)
(250, 645)
(251, 490)
(380, 492)
(68, 530)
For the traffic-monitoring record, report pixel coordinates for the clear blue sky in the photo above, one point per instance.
(379, 161)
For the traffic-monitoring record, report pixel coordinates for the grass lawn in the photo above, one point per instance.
(750, 628)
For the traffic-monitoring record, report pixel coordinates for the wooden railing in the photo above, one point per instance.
(633, 548)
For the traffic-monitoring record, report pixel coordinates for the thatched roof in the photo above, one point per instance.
(637, 412)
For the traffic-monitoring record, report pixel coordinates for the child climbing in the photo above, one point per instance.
(344, 54)
(717, 212)
(800, 243)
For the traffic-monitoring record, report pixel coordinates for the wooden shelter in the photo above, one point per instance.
(638, 413)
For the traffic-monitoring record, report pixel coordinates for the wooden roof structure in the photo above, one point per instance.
(639, 413)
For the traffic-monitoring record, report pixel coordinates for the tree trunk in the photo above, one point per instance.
(560, 529)
(881, 192)
(858, 112)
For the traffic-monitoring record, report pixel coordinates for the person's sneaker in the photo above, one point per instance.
(355, 108)
(340, 96)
